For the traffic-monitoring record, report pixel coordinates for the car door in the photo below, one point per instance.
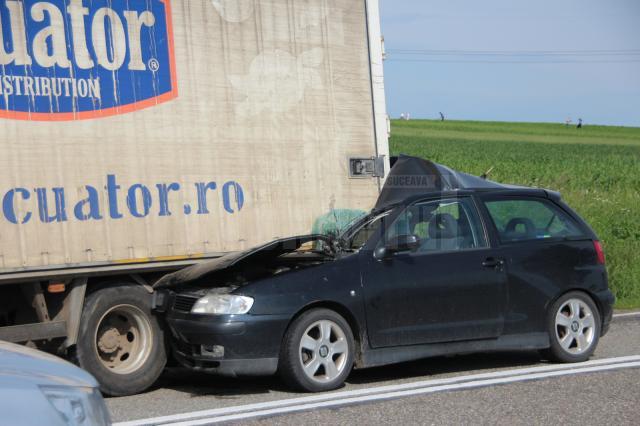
(449, 288)
(547, 252)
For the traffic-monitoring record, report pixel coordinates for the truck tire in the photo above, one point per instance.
(573, 324)
(317, 351)
(120, 341)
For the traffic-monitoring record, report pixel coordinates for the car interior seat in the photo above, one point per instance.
(519, 228)
(444, 234)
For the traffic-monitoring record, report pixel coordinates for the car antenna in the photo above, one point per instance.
(486, 174)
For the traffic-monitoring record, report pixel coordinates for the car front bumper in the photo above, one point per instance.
(229, 345)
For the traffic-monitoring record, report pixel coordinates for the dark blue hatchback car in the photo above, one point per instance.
(445, 263)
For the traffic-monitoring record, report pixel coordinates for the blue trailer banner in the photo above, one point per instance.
(64, 60)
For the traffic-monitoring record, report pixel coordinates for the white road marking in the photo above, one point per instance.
(627, 315)
(386, 392)
(402, 394)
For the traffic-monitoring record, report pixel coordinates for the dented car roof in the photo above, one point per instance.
(412, 176)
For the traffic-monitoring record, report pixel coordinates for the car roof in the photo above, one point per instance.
(413, 178)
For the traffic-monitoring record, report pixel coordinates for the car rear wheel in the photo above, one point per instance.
(317, 351)
(574, 328)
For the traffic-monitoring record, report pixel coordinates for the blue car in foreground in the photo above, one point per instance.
(38, 389)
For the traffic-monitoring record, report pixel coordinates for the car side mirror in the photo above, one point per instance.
(399, 244)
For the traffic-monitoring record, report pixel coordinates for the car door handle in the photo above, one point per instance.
(493, 263)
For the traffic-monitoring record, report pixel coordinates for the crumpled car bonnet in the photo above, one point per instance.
(260, 254)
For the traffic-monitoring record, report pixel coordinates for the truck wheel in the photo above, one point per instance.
(120, 342)
(317, 351)
(574, 328)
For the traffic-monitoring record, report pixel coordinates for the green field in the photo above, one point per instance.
(597, 170)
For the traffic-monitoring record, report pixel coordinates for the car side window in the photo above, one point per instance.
(441, 225)
(530, 219)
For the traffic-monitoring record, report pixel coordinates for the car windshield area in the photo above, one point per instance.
(359, 237)
(529, 219)
(317, 246)
(440, 225)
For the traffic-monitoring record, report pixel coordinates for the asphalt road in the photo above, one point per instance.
(497, 388)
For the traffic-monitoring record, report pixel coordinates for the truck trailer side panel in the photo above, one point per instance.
(179, 129)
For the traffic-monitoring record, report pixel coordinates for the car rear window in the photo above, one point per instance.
(528, 219)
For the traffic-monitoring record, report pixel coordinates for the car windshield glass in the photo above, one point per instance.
(360, 236)
(355, 224)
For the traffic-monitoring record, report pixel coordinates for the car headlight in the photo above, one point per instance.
(222, 304)
(78, 406)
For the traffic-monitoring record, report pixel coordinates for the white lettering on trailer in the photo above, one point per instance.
(134, 29)
(54, 32)
(81, 53)
(49, 46)
(18, 34)
(99, 34)
(48, 86)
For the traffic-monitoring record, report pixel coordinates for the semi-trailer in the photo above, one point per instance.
(138, 137)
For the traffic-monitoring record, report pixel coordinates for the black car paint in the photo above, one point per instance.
(437, 306)
(536, 269)
(278, 300)
(404, 320)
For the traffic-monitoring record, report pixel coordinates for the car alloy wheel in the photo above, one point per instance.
(323, 351)
(575, 327)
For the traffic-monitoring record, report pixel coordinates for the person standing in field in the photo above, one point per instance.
(579, 123)
(441, 116)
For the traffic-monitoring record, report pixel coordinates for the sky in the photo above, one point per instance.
(514, 60)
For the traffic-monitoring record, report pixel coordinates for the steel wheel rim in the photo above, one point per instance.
(123, 339)
(575, 327)
(323, 351)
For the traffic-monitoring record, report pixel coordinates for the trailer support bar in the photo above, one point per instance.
(32, 332)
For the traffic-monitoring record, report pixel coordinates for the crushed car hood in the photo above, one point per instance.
(239, 260)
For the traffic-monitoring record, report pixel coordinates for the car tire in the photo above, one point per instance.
(573, 324)
(317, 351)
(120, 341)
